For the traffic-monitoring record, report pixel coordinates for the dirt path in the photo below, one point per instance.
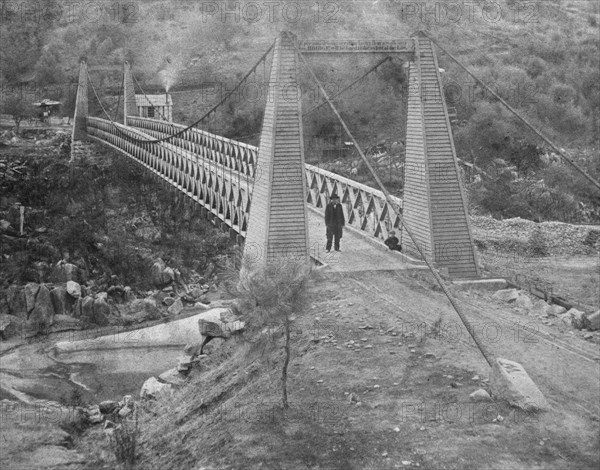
(566, 369)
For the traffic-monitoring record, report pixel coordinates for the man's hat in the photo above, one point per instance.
(334, 196)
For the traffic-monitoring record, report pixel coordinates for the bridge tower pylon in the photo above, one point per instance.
(278, 219)
(79, 133)
(129, 103)
(435, 206)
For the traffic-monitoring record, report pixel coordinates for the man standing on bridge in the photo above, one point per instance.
(334, 221)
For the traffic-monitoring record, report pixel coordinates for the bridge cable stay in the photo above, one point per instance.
(343, 90)
(323, 103)
(194, 124)
(516, 113)
(484, 351)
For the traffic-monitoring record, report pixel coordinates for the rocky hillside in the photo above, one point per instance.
(84, 246)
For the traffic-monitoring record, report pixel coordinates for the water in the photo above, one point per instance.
(110, 374)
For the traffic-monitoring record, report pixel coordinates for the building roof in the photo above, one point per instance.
(47, 103)
(153, 100)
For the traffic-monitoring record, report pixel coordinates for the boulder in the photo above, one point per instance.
(173, 377)
(592, 321)
(64, 272)
(77, 308)
(101, 311)
(196, 293)
(160, 275)
(62, 302)
(565, 318)
(219, 323)
(511, 382)
(108, 407)
(140, 310)
(169, 273)
(192, 349)
(74, 289)
(523, 301)
(31, 291)
(94, 415)
(17, 304)
(152, 388)
(42, 314)
(87, 308)
(201, 306)
(128, 295)
(184, 363)
(9, 326)
(554, 310)
(507, 295)
(577, 318)
(176, 308)
(127, 401)
(480, 395)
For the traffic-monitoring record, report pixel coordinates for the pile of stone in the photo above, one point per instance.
(514, 234)
(109, 411)
(572, 317)
(216, 323)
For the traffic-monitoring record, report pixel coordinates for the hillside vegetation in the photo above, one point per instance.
(541, 57)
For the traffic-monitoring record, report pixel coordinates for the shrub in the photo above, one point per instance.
(274, 293)
(124, 442)
(538, 245)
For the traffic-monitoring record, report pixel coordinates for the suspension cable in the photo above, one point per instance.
(178, 133)
(306, 113)
(515, 112)
(486, 354)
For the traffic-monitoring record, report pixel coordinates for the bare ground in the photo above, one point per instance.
(411, 383)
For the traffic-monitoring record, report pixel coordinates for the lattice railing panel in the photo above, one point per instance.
(365, 208)
(236, 156)
(224, 193)
(211, 178)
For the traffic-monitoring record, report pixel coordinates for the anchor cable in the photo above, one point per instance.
(486, 354)
(516, 113)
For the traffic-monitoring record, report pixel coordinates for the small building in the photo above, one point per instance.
(155, 106)
(48, 108)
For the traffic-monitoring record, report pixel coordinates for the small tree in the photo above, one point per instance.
(273, 294)
(19, 110)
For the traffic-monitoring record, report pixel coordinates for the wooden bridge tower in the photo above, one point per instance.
(435, 207)
(79, 134)
(278, 223)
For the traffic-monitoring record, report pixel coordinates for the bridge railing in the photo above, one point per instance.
(365, 208)
(221, 192)
(234, 155)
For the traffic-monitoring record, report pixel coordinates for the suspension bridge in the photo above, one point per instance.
(273, 202)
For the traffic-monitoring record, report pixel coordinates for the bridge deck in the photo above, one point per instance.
(358, 253)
